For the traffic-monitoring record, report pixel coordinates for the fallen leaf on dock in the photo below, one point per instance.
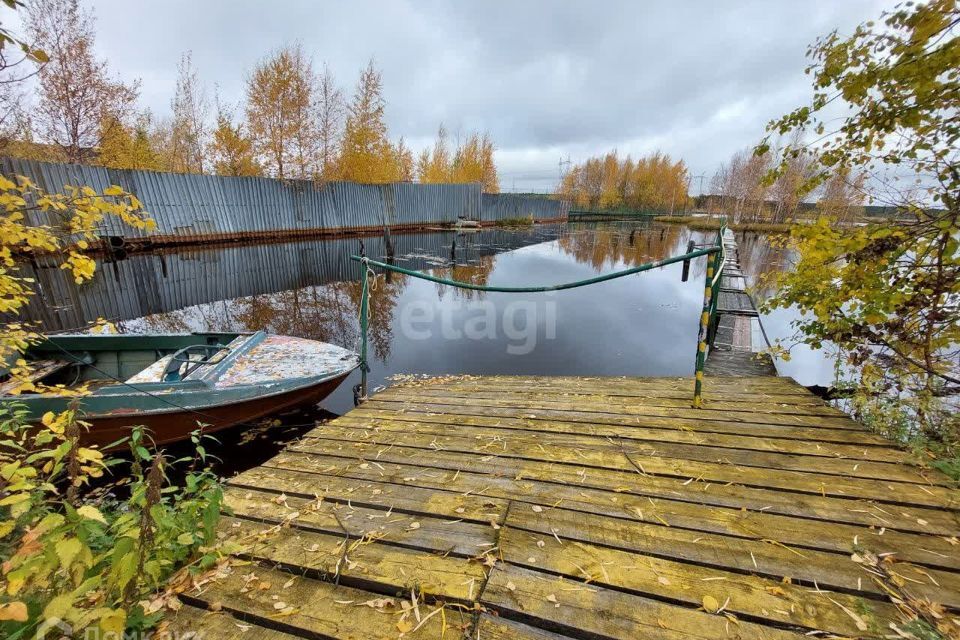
(710, 604)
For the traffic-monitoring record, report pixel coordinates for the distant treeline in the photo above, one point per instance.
(651, 183)
(707, 202)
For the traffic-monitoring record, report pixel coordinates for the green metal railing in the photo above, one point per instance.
(715, 262)
(708, 315)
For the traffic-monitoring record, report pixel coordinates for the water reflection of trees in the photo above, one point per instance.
(761, 259)
(329, 313)
(604, 247)
(320, 313)
(383, 302)
(476, 272)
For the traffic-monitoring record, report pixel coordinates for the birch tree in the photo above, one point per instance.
(190, 130)
(331, 112)
(886, 294)
(471, 161)
(366, 154)
(282, 114)
(128, 147)
(436, 166)
(652, 182)
(76, 90)
(231, 149)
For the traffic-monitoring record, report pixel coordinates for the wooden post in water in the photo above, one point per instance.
(686, 263)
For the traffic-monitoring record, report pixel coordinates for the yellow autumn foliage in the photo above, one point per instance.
(471, 161)
(69, 229)
(653, 182)
(366, 153)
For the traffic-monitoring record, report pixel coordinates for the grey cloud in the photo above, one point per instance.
(545, 78)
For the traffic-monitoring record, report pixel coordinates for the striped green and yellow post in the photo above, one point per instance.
(712, 263)
(364, 321)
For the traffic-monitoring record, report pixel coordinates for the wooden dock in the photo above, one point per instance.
(735, 351)
(542, 508)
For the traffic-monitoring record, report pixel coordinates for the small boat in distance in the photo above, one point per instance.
(171, 383)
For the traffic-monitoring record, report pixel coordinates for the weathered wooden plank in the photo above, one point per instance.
(324, 482)
(705, 423)
(600, 521)
(741, 384)
(602, 402)
(738, 522)
(312, 608)
(732, 333)
(805, 406)
(720, 388)
(680, 392)
(191, 622)
(357, 562)
(742, 595)
(418, 531)
(572, 422)
(830, 570)
(408, 448)
(446, 422)
(737, 302)
(812, 506)
(499, 441)
(496, 628)
(737, 362)
(748, 417)
(733, 282)
(568, 605)
(726, 388)
(703, 548)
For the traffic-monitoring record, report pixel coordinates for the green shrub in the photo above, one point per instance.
(515, 222)
(93, 560)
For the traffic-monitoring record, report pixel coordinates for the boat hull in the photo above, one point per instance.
(168, 427)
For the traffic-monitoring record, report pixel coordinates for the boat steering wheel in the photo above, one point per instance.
(181, 364)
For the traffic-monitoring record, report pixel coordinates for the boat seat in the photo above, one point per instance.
(151, 373)
(41, 369)
(154, 373)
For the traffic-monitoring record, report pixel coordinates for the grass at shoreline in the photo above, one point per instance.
(515, 222)
(700, 223)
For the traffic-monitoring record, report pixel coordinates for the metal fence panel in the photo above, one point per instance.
(505, 206)
(189, 205)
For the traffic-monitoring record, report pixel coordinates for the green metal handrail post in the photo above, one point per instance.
(364, 320)
(718, 259)
(705, 317)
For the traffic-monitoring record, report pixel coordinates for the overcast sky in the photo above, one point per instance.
(697, 80)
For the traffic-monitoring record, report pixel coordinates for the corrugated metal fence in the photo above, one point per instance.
(511, 206)
(194, 207)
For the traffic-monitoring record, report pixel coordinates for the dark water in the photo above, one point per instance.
(644, 324)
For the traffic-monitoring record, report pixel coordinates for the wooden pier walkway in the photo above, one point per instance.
(735, 350)
(542, 508)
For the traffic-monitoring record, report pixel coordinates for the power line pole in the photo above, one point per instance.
(700, 177)
(560, 171)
